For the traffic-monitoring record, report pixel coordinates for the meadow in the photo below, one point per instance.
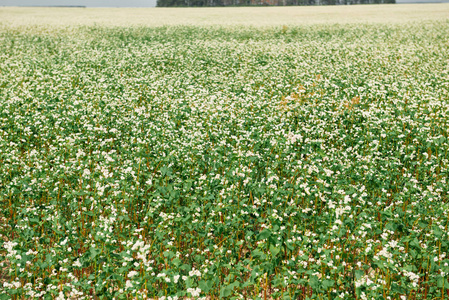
(298, 160)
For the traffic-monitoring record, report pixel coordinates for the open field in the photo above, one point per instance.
(302, 160)
(248, 16)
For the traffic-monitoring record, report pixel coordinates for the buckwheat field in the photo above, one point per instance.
(182, 161)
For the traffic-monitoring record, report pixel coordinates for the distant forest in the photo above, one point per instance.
(196, 3)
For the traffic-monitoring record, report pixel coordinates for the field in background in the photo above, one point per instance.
(253, 16)
(282, 153)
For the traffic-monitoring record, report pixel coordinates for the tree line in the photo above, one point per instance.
(199, 3)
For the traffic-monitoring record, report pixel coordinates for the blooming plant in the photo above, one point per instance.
(224, 162)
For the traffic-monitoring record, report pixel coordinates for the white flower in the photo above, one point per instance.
(176, 278)
(132, 274)
(195, 273)
(17, 284)
(195, 292)
(77, 263)
(60, 296)
(128, 284)
(86, 172)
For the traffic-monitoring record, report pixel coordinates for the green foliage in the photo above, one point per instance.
(291, 163)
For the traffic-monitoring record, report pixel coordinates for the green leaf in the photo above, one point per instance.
(226, 291)
(176, 261)
(235, 284)
(328, 283)
(442, 282)
(4, 296)
(437, 231)
(264, 234)
(274, 250)
(358, 274)
(34, 220)
(186, 267)
(314, 282)
(206, 286)
(94, 252)
(257, 253)
(169, 254)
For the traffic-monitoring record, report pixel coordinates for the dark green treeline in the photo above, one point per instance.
(192, 3)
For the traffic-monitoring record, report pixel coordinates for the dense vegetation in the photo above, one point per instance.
(196, 3)
(171, 162)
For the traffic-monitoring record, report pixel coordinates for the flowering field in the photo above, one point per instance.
(223, 162)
